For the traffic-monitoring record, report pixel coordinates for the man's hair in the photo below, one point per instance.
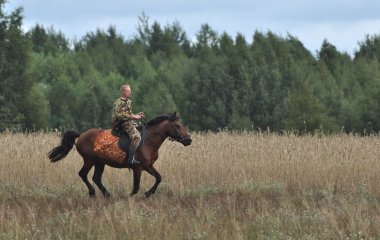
(124, 86)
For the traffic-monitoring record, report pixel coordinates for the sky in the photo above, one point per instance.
(342, 23)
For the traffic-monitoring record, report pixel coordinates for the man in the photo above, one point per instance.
(123, 118)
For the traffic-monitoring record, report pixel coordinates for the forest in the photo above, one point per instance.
(216, 82)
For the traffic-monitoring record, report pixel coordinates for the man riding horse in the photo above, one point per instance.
(123, 119)
(100, 147)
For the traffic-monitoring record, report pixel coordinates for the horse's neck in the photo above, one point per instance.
(156, 137)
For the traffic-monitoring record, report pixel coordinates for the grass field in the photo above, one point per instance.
(223, 186)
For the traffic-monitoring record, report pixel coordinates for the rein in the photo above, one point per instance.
(177, 138)
(160, 135)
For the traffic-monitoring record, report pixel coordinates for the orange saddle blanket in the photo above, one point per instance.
(106, 147)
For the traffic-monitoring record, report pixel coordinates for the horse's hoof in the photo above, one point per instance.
(107, 195)
(148, 194)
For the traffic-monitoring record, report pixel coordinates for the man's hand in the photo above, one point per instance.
(138, 115)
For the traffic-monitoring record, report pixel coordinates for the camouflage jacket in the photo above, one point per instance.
(122, 111)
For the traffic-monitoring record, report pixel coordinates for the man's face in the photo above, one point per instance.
(126, 92)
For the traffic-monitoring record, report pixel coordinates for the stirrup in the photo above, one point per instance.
(135, 161)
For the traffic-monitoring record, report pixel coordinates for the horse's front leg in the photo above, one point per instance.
(136, 180)
(154, 173)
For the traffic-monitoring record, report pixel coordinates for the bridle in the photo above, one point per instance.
(178, 137)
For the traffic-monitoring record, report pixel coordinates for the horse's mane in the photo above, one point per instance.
(156, 120)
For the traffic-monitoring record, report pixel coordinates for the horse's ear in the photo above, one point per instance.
(174, 114)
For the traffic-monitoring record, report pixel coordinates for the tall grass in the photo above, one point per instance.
(223, 186)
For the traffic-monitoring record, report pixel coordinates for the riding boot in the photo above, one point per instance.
(131, 156)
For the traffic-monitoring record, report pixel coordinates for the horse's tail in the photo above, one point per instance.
(67, 144)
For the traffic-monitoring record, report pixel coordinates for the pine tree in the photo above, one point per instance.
(14, 86)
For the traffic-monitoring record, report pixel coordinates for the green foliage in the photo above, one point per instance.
(37, 109)
(10, 118)
(47, 41)
(369, 48)
(214, 83)
(150, 94)
(306, 113)
(62, 99)
(14, 86)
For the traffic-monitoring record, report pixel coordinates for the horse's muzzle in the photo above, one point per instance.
(186, 141)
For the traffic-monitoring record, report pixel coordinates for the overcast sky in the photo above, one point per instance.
(343, 23)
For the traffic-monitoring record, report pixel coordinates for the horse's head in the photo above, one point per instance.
(177, 132)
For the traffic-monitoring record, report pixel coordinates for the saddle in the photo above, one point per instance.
(114, 145)
(124, 139)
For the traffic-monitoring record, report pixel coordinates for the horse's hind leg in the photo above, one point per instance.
(97, 178)
(83, 174)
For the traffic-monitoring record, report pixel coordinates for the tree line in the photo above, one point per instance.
(216, 82)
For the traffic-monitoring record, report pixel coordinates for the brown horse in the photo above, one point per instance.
(157, 130)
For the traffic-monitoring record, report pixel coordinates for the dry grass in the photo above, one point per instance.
(223, 186)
